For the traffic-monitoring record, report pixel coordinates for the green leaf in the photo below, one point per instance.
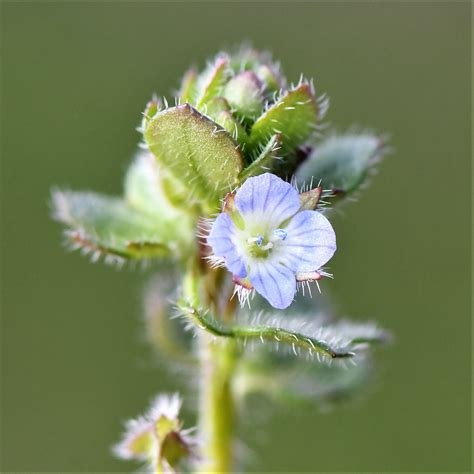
(145, 192)
(212, 80)
(279, 374)
(331, 385)
(152, 107)
(218, 109)
(199, 153)
(294, 116)
(162, 330)
(227, 121)
(342, 162)
(215, 106)
(270, 76)
(290, 380)
(263, 163)
(338, 341)
(188, 89)
(104, 225)
(249, 59)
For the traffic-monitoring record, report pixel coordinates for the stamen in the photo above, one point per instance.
(280, 234)
(258, 240)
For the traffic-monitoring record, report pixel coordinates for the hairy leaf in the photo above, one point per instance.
(196, 151)
(263, 163)
(294, 116)
(212, 80)
(333, 342)
(152, 107)
(163, 331)
(271, 78)
(188, 89)
(105, 225)
(273, 370)
(342, 162)
(218, 109)
(146, 192)
(291, 380)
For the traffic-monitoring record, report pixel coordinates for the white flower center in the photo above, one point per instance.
(261, 245)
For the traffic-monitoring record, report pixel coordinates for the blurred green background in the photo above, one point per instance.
(75, 363)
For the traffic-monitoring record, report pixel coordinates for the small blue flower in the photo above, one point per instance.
(268, 239)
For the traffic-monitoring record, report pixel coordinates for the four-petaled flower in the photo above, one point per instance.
(268, 239)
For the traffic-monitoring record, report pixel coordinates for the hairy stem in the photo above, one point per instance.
(217, 360)
(217, 404)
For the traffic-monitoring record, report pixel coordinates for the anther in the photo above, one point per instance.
(258, 240)
(280, 234)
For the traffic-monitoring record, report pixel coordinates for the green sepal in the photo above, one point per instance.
(264, 161)
(228, 203)
(196, 151)
(164, 426)
(310, 199)
(342, 162)
(142, 444)
(107, 226)
(174, 449)
(172, 446)
(294, 116)
(228, 207)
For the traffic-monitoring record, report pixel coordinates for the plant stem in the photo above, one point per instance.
(217, 357)
(217, 404)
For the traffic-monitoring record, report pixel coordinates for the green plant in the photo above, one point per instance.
(208, 195)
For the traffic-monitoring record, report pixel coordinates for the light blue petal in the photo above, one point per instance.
(275, 282)
(222, 240)
(310, 242)
(267, 199)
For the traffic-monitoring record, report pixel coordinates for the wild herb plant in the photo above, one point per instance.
(230, 194)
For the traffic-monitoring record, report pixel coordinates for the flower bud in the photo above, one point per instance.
(244, 93)
(158, 437)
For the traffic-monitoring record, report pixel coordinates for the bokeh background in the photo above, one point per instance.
(75, 363)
